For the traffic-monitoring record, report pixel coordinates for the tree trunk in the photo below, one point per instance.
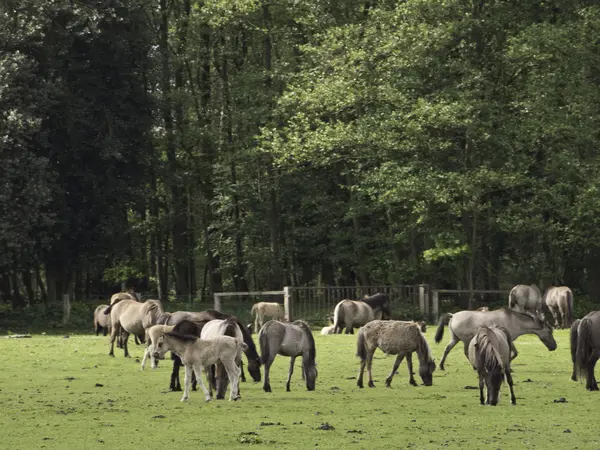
(28, 283)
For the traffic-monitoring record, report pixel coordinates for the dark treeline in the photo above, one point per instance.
(186, 147)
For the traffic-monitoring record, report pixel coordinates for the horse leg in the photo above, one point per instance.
(113, 335)
(513, 350)
(222, 381)
(125, 335)
(233, 374)
(267, 384)
(198, 371)
(242, 376)
(553, 310)
(361, 371)
(194, 382)
(186, 382)
(509, 381)
(592, 385)
(290, 372)
(410, 369)
(175, 385)
(369, 365)
(447, 350)
(481, 398)
(388, 380)
(104, 331)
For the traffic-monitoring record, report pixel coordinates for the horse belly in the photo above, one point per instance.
(133, 326)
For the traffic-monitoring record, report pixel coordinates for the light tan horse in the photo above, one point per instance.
(352, 314)
(559, 300)
(394, 337)
(261, 310)
(523, 298)
(489, 354)
(124, 296)
(101, 320)
(132, 317)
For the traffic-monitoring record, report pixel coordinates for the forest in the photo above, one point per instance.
(185, 147)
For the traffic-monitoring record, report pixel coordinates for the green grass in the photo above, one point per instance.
(49, 399)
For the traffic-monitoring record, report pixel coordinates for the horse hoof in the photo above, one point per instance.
(208, 399)
(371, 385)
(413, 383)
(184, 399)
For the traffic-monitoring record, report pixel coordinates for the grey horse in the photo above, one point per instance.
(585, 348)
(525, 298)
(489, 354)
(559, 300)
(288, 339)
(464, 325)
(394, 337)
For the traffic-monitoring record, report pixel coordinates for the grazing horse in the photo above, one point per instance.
(125, 296)
(261, 309)
(203, 317)
(489, 354)
(464, 325)
(131, 317)
(559, 300)
(152, 335)
(101, 320)
(394, 337)
(196, 353)
(585, 348)
(525, 298)
(288, 339)
(211, 330)
(352, 314)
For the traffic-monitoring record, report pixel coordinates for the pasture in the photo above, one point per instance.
(59, 392)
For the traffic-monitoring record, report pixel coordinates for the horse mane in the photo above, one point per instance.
(312, 351)
(153, 309)
(230, 326)
(251, 350)
(163, 319)
(423, 345)
(182, 337)
(377, 301)
(190, 327)
(488, 356)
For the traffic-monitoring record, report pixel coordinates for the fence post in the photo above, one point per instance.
(217, 303)
(422, 300)
(435, 304)
(287, 303)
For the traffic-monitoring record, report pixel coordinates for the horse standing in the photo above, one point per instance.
(261, 310)
(585, 348)
(463, 326)
(101, 320)
(559, 300)
(131, 317)
(394, 337)
(352, 314)
(525, 298)
(288, 339)
(489, 354)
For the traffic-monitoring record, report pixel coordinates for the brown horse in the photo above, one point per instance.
(131, 317)
(585, 348)
(352, 314)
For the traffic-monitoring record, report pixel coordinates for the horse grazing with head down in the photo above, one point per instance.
(131, 317)
(352, 314)
(394, 337)
(585, 348)
(289, 339)
(559, 300)
(489, 354)
(197, 353)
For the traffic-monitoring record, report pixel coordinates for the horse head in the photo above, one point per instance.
(311, 373)
(493, 380)
(426, 372)
(545, 333)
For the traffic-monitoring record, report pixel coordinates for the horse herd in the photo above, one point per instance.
(214, 342)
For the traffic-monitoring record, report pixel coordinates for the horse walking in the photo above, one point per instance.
(288, 339)
(394, 337)
(352, 314)
(464, 325)
(261, 310)
(585, 349)
(525, 298)
(489, 354)
(131, 317)
(559, 300)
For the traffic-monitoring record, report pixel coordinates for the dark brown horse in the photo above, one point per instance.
(202, 317)
(585, 348)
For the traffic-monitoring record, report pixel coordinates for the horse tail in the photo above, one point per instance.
(254, 310)
(153, 310)
(231, 326)
(107, 310)
(584, 347)
(312, 351)
(444, 320)
(263, 341)
(573, 339)
(512, 299)
(361, 347)
(570, 306)
(338, 316)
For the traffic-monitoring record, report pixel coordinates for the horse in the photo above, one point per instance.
(131, 317)
(489, 354)
(203, 317)
(125, 296)
(356, 313)
(559, 300)
(101, 320)
(196, 353)
(525, 298)
(585, 348)
(211, 330)
(288, 339)
(152, 335)
(464, 325)
(261, 309)
(394, 337)
(483, 308)
(328, 330)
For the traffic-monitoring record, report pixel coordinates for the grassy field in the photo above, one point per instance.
(59, 392)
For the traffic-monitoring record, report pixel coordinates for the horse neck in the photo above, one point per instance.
(423, 352)
(522, 325)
